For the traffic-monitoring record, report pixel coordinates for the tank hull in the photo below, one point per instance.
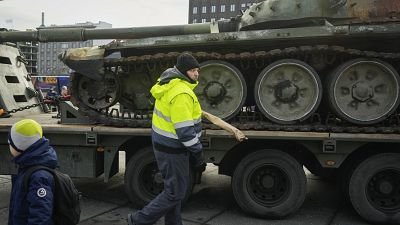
(322, 48)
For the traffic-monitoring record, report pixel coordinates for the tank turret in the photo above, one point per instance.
(289, 13)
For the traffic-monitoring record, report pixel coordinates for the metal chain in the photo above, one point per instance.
(24, 108)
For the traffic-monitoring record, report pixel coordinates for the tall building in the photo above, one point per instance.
(29, 50)
(202, 11)
(48, 62)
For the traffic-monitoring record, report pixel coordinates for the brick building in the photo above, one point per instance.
(202, 11)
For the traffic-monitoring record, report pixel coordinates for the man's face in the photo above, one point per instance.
(193, 74)
(13, 152)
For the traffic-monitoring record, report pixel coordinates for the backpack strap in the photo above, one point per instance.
(29, 172)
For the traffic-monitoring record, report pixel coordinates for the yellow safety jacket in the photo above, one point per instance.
(176, 123)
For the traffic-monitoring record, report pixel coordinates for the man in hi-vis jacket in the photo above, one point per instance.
(176, 131)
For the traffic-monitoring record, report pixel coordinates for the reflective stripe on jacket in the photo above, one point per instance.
(177, 113)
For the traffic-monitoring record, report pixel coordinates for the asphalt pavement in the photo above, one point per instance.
(212, 203)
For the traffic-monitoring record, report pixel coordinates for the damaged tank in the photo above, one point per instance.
(312, 65)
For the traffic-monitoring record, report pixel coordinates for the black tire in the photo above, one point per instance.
(143, 182)
(345, 172)
(374, 189)
(269, 183)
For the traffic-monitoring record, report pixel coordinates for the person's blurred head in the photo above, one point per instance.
(23, 134)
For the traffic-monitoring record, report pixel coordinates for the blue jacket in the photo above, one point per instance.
(34, 206)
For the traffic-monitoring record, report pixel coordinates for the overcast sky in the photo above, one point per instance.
(26, 14)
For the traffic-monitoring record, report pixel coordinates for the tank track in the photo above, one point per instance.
(248, 118)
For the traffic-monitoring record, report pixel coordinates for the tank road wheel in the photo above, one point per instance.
(269, 183)
(222, 89)
(374, 189)
(143, 180)
(288, 91)
(364, 91)
(96, 94)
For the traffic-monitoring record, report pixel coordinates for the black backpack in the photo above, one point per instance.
(67, 208)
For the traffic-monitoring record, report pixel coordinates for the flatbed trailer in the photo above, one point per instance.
(267, 169)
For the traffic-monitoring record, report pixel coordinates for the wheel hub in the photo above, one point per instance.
(268, 185)
(384, 190)
(215, 92)
(268, 181)
(286, 91)
(362, 92)
(385, 187)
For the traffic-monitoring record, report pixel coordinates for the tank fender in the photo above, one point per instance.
(88, 61)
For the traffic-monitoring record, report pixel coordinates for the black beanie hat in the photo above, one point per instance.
(186, 62)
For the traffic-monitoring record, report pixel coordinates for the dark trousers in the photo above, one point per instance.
(175, 172)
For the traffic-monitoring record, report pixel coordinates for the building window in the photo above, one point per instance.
(222, 18)
(233, 8)
(204, 9)
(195, 10)
(203, 20)
(222, 8)
(64, 45)
(243, 5)
(212, 20)
(213, 9)
(194, 20)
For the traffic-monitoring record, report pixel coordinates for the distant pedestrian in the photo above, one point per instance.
(52, 93)
(33, 205)
(64, 91)
(176, 133)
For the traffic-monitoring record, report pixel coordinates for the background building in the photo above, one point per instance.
(48, 62)
(202, 11)
(29, 50)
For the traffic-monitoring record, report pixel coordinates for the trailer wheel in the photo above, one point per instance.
(143, 180)
(374, 189)
(269, 183)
